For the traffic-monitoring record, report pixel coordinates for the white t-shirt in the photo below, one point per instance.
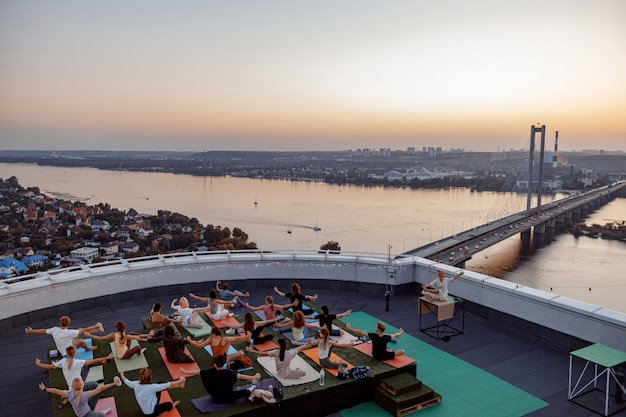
(62, 337)
(442, 286)
(145, 394)
(70, 374)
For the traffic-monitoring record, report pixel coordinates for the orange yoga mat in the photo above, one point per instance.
(225, 322)
(174, 368)
(165, 397)
(397, 362)
(264, 347)
(314, 354)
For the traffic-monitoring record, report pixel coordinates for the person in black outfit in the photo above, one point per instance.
(174, 345)
(219, 382)
(296, 295)
(380, 352)
(326, 320)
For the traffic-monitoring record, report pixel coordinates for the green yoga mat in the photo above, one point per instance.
(134, 362)
(466, 389)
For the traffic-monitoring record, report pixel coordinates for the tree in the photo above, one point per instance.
(331, 245)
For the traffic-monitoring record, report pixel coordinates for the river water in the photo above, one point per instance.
(360, 219)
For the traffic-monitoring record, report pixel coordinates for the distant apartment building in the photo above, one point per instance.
(86, 255)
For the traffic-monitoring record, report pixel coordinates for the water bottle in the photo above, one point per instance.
(322, 375)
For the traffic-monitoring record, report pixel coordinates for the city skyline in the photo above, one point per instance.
(278, 75)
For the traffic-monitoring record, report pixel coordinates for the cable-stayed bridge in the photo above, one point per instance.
(458, 248)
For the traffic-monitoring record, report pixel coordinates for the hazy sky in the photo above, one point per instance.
(295, 75)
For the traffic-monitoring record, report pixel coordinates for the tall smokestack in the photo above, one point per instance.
(556, 150)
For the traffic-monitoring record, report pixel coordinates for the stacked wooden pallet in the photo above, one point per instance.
(404, 394)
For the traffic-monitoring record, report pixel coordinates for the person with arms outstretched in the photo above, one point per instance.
(148, 394)
(379, 340)
(438, 288)
(64, 336)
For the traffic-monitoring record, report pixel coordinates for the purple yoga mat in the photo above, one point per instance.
(207, 405)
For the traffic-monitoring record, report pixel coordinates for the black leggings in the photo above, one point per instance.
(161, 408)
(258, 339)
(233, 397)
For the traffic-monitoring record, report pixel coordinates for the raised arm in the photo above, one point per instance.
(398, 334)
(312, 326)
(279, 292)
(249, 378)
(265, 322)
(256, 352)
(116, 382)
(357, 331)
(102, 360)
(217, 286)
(51, 390)
(285, 306)
(287, 324)
(30, 330)
(307, 345)
(109, 336)
(341, 345)
(200, 343)
(253, 308)
(138, 336)
(458, 274)
(44, 365)
(196, 297)
(311, 297)
(344, 314)
(235, 339)
(98, 327)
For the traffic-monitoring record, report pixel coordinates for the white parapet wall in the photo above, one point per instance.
(43, 290)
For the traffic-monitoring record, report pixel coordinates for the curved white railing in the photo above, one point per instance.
(362, 271)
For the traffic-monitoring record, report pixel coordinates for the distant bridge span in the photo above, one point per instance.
(458, 248)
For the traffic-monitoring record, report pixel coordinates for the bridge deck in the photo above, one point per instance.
(526, 364)
(458, 248)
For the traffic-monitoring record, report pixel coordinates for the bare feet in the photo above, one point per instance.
(91, 348)
(176, 403)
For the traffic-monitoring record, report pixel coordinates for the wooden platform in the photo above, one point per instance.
(404, 394)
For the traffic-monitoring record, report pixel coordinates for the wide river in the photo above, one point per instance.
(360, 219)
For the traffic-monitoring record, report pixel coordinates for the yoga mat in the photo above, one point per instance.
(104, 403)
(199, 332)
(307, 335)
(82, 353)
(264, 347)
(313, 353)
(261, 314)
(344, 338)
(174, 368)
(135, 362)
(165, 397)
(207, 405)
(225, 322)
(96, 373)
(397, 362)
(269, 365)
(231, 349)
(462, 385)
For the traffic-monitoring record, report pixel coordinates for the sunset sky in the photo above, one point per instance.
(325, 75)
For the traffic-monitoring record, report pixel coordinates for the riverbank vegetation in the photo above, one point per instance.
(612, 230)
